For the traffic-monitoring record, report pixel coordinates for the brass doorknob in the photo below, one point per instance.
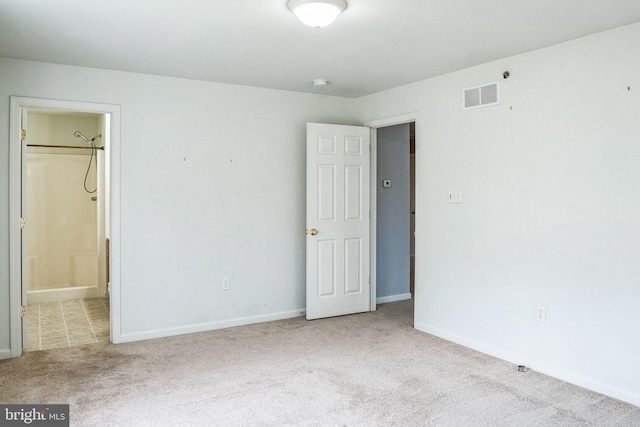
(313, 231)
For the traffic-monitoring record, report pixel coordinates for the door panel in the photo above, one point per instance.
(326, 268)
(353, 193)
(338, 209)
(326, 193)
(353, 266)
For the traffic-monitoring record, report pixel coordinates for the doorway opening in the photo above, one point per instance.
(395, 209)
(394, 181)
(64, 194)
(65, 262)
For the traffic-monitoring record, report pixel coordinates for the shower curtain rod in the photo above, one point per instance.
(63, 146)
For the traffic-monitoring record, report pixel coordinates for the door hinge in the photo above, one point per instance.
(23, 310)
(23, 223)
(23, 134)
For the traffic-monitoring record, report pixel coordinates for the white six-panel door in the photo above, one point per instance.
(338, 224)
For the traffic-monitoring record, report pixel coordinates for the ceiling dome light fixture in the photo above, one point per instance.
(320, 82)
(317, 13)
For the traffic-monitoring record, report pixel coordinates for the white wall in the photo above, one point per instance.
(392, 213)
(551, 188)
(212, 186)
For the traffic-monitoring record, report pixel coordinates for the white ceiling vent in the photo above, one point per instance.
(481, 96)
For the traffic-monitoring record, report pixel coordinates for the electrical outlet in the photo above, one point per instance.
(541, 314)
(225, 284)
(455, 196)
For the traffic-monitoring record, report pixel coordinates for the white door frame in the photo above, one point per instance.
(18, 104)
(374, 125)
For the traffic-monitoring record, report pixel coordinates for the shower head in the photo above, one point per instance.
(79, 134)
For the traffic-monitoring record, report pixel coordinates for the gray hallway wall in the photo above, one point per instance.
(392, 229)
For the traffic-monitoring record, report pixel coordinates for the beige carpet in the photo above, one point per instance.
(369, 369)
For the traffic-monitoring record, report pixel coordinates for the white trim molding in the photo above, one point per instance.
(393, 298)
(394, 120)
(546, 369)
(210, 326)
(18, 104)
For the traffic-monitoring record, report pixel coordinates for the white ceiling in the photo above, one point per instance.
(374, 45)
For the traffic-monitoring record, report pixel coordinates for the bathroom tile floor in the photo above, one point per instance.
(67, 323)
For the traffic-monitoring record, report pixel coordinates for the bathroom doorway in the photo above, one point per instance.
(65, 204)
(18, 265)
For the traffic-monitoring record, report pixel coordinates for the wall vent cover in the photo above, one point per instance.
(481, 96)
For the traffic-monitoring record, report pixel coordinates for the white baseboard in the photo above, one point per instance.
(568, 376)
(61, 294)
(393, 298)
(209, 326)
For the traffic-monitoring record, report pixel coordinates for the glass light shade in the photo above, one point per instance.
(317, 13)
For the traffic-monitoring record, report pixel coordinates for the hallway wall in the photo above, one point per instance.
(393, 206)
